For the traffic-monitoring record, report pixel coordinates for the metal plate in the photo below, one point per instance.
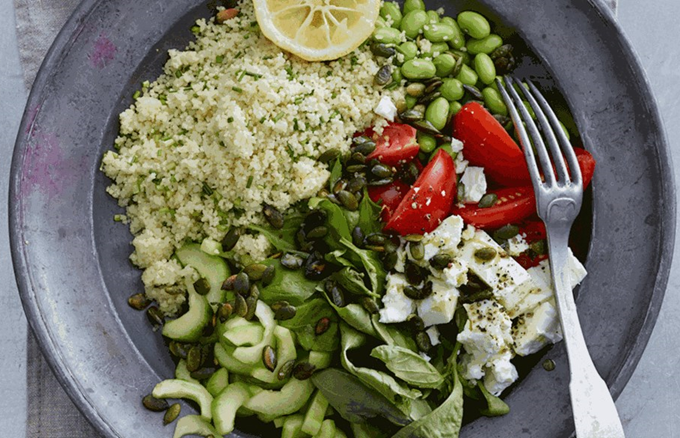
(71, 260)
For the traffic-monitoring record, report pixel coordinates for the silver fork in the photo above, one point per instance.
(559, 193)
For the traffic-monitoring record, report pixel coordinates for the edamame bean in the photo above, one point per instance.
(413, 5)
(438, 32)
(444, 64)
(494, 101)
(494, 85)
(467, 76)
(387, 35)
(485, 45)
(529, 109)
(433, 16)
(452, 89)
(413, 23)
(419, 69)
(461, 54)
(566, 131)
(446, 147)
(380, 23)
(396, 75)
(411, 101)
(474, 24)
(436, 49)
(458, 40)
(409, 49)
(437, 113)
(485, 68)
(390, 10)
(426, 142)
(454, 109)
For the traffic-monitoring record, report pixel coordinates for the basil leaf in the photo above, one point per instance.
(336, 257)
(408, 366)
(495, 407)
(369, 215)
(303, 324)
(393, 335)
(336, 174)
(282, 239)
(353, 400)
(336, 222)
(443, 422)
(356, 316)
(287, 285)
(353, 282)
(378, 380)
(371, 264)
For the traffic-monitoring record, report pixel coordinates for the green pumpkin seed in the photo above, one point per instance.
(481, 295)
(357, 236)
(229, 283)
(178, 349)
(390, 11)
(348, 200)
(370, 305)
(384, 75)
(268, 275)
(172, 413)
(488, 200)
(423, 342)
(383, 50)
(269, 358)
(291, 261)
(486, 45)
(416, 293)
(427, 127)
(285, 312)
(240, 306)
(412, 115)
(441, 261)
(286, 370)
(194, 358)
(414, 238)
(273, 216)
(337, 296)
(506, 233)
(418, 69)
(155, 317)
(549, 365)
(365, 148)
(322, 326)
(202, 286)
(251, 302)
(329, 155)
(415, 89)
(354, 168)
(390, 260)
(224, 312)
(474, 24)
(381, 182)
(317, 233)
(202, 374)
(231, 239)
(503, 51)
(376, 239)
(504, 65)
(357, 184)
(303, 370)
(486, 254)
(413, 22)
(474, 91)
(428, 98)
(416, 322)
(382, 171)
(255, 271)
(242, 283)
(417, 250)
(139, 301)
(154, 404)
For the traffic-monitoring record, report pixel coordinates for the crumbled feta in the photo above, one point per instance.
(433, 334)
(455, 275)
(500, 373)
(536, 329)
(460, 163)
(517, 245)
(444, 239)
(396, 306)
(440, 306)
(456, 145)
(386, 108)
(475, 184)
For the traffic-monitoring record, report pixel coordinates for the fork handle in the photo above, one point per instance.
(595, 414)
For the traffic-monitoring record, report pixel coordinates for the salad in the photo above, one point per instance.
(342, 242)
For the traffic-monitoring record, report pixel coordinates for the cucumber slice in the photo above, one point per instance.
(292, 427)
(182, 373)
(193, 425)
(339, 433)
(285, 352)
(253, 355)
(217, 382)
(290, 399)
(226, 404)
(189, 327)
(320, 359)
(245, 336)
(211, 267)
(174, 388)
(226, 360)
(278, 422)
(327, 429)
(315, 414)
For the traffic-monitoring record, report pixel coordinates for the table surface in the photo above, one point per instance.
(646, 406)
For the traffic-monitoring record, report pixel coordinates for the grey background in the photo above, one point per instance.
(647, 405)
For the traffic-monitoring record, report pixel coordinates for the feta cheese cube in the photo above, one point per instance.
(396, 306)
(433, 334)
(500, 373)
(440, 306)
(386, 109)
(460, 163)
(536, 329)
(444, 239)
(475, 184)
(455, 275)
(517, 245)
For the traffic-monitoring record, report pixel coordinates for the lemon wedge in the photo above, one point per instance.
(317, 30)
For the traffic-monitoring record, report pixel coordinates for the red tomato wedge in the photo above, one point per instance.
(429, 201)
(390, 195)
(396, 145)
(516, 203)
(534, 230)
(487, 144)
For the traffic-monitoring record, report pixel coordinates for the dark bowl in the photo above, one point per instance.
(71, 259)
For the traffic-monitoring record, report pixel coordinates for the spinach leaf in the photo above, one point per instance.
(336, 174)
(372, 265)
(284, 238)
(495, 407)
(353, 282)
(352, 218)
(369, 215)
(303, 324)
(366, 430)
(353, 400)
(393, 335)
(337, 257)
(287, 285)
(378, 380)
(444, 422)
(356, 316)
(336, 222)
(408, 366)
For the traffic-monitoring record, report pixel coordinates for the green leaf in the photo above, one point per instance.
(287, 285)
(371, 264)
(353, 282)
(443, 422)
(336, 174)
(408, 366)
(356, 316)
(495, 407)
(337, 257)
(283, 239)
(369, 215)
(378, 380)
(353, 400)
(303, 324)
(393, 335)
(336, 222)
(366, 430)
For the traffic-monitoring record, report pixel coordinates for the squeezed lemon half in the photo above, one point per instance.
(317, 30)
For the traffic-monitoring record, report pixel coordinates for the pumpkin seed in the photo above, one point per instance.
(414, 274)
(474, 91)
(273, 216)
(460, 191)
(370, 305)
(315, 266)
(172, 413)
(240, 306)
(155, 317)
(427, 98)
(433, 85)
(254, 292)
(505, 233)
(549, 365)
(322, 326)
(354, 168)
(484, 294)
(339, 185)
(381, 182)
(291, 261)
(384, 75)
(139, 301)
(303, 370)
(194, 358)
(417, 250)
(416, 322)
(357, 236)
(488, 200)
(338, 296)
(390, 260)
(504, 65)
(412, 115)
(383, 50)
(178, 349)
(317, 233)
(423, 342)
(441, 261)
(268, 275)
(348, 200)
(502, 52)
(413, 292)
(285, 312)
(251, 302)
(413, 238)
(427, 128)
(357, 184)
(361, 139)
(415, 89)
(486, 254)
(154, 404)
(203, 373)
(376, 239)
(242, 283)
(202, 286)
(503, 120)
(231, 239)
(255, 271)
(229, 283)
(269, 358)
(286, 370)
(329, 155)
(410, 173)
(225, 311)
(382, 171)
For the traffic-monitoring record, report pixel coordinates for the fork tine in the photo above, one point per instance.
(520, 117)
(557, 138)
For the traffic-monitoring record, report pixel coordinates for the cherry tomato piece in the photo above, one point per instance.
(514, 205)
(397, 144)
(390, 195)
(429, 201)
